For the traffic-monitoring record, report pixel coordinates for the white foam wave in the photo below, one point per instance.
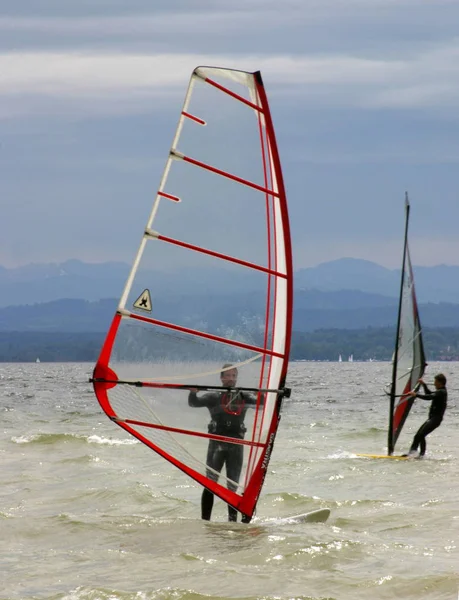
(25, 439)
(97, 439)
(342, 454)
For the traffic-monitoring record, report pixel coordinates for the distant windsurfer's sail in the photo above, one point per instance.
(211, 284)
(409, 359)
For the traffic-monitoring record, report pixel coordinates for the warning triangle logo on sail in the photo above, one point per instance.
(143, 302)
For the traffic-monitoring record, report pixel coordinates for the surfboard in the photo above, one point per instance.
(316, 516)
(210, 290)
(392, 456)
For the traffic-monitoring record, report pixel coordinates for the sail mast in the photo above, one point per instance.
(390, 442)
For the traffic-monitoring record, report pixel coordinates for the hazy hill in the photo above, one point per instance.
(312, 311)
(86, 281)
(36, 283)
(324, 344)
(433, 284)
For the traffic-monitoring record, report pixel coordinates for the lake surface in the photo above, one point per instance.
(89, 513)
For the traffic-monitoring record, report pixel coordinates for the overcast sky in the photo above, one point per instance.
(364, 95)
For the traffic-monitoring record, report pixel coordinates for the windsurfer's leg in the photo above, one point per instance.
(207, 503)
(413, 447)
(429, 426)
(215, 460)
(420, 437)
(232, 514)
(422, 446)
(235, 455)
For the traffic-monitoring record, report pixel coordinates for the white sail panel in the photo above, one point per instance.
(211, 285)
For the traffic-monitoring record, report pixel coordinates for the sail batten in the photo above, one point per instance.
(193, 118)
(203, 334)
(409, 357)
(216, 291)
(226, 174)
(233, 259)
(233, 94)
(185, 431)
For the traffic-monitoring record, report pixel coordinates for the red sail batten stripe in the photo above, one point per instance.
(233, 259)
(209, 436)
(169, 196)
(208, 336)
(193, 118)
(233, 94)
(246, 182)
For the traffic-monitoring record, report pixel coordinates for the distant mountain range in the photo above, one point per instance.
(313, 310)
(62, 312)
(39, 283)
(433, 284)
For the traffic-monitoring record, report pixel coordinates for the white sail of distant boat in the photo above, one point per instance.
(37, 360)
(340, 358)
(220, 207)
(351, 358)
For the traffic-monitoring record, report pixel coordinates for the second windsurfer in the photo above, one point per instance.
(439, 399)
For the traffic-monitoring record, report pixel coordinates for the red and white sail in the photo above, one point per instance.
(219, 216)
(409, 358)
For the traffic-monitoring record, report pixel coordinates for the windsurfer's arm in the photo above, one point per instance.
(252, 400)
(425, 388)
(428, 396)
(204, 400)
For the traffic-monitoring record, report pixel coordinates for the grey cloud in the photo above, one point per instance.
(363, 95)
(373, 28)
(73, 8)
(121, 81)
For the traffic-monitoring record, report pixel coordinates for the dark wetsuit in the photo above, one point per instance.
(227, 413)
(439, 399)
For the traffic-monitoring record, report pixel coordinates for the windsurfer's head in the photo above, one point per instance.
(228, 375)
(440, 381)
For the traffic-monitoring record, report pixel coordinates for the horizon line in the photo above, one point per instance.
(122, 263)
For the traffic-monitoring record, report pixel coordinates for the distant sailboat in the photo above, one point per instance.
(408, 359)
(351, 358)
(37, 360)
(340, 359)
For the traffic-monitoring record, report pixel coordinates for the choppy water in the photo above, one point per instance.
(87, 513)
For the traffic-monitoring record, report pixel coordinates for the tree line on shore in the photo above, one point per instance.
(371, 343)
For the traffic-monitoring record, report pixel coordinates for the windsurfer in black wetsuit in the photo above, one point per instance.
(439, 399)
(227, 412)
